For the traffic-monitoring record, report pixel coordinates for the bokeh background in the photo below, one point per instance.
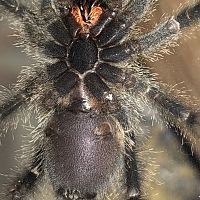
(176, 178)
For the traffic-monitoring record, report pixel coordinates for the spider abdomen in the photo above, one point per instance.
(83, 153)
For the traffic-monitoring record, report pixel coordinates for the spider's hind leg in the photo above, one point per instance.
(181, 117)
(132, 174)
(25, 183)
(133, 179)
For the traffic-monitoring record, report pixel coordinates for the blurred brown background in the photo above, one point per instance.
(179, 179)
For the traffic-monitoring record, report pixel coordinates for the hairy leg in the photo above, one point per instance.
(189, 16)
(25, 182)
(179, 115)
(158, 40)
(33, 30)
(137, 9)
(14, 6)
(112, 30)
(22, 96)
(133, 176)
(175, 109)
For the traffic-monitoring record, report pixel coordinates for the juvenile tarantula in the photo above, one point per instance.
(91, 92)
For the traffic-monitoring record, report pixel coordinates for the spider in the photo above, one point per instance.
(92, 93)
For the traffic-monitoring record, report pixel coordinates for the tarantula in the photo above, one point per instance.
(91, 91)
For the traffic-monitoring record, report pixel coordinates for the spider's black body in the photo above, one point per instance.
(92, 95)
(91, 136)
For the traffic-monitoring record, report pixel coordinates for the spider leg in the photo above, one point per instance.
(188, 17)
(34, 31)
(119, 53)
(178, 115)
(112, 33)
(17, 8)
(132, 174)
(173, 108)
(108, 34)
(163, 36)
(192, 156)
(137, 10)
(11, 104)
(144, 45)
(169, 30)
(133, 179)
(104, 20)
(13, 6)
(25, 183)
